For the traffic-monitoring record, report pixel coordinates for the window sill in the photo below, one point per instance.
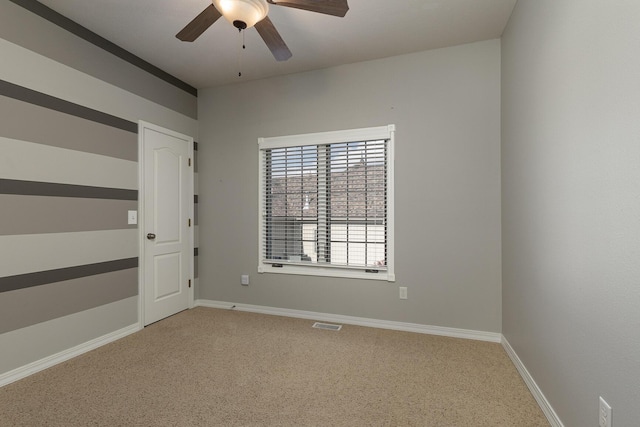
(326, 272)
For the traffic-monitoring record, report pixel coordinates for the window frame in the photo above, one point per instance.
(323, 138)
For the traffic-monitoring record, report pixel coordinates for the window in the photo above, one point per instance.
(326, 204)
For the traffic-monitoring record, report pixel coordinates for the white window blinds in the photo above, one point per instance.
(325, 203)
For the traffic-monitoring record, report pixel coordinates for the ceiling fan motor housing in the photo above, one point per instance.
(240, 25)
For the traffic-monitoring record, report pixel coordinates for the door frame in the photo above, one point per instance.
(142, 187)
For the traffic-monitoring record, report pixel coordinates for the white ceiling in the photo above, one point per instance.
(371, 29)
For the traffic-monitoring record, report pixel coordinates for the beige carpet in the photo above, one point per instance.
(209, 367)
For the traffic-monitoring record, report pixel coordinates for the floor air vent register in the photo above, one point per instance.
(327, 326)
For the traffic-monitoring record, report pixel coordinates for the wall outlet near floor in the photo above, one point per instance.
(604, 413)
(244, 280)
(403, 292)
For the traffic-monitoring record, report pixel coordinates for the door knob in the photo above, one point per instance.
(151, 236)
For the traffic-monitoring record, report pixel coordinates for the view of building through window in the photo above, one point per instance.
(327, 204)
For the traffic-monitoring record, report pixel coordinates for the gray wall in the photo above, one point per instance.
(446, 105)
(68, 175)
(62, 42)
(571, 202)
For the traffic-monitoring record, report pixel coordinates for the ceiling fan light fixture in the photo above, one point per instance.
(239, 12)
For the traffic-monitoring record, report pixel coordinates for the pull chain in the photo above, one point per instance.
(240, 53)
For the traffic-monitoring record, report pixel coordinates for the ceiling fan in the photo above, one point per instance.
(245, 14)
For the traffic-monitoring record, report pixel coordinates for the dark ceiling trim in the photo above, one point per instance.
(88, 35)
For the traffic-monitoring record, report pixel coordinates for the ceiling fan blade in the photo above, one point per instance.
(272, 38)
(328, 7)
(199, 24)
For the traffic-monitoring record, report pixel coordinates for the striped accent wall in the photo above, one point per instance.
(65, 245)
(70, 104)
(26, 22)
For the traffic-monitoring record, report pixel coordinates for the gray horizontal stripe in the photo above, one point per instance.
(35, 188)
(195, 157)
(58, 129)
(195, 267)
(195, 162)
(29, 306)
(88, 35)
(38, 98)
(41, 214)
(22, 281)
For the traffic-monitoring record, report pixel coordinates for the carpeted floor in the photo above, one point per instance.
(209, 367)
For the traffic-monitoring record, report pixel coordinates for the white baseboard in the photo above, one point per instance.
(358, 321)
(544, 404)
(47, 362)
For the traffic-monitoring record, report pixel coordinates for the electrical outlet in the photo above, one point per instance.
(403, 292)
(605, 413)
(244, 280)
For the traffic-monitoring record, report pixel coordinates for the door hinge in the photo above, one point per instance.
(189, 282)
(189, 161)
(189, 222)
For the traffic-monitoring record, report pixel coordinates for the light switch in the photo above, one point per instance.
(132, 217)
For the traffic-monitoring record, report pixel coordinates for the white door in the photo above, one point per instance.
(167, 192)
